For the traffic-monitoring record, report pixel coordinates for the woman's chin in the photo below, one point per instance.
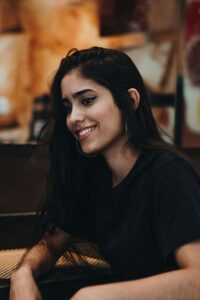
(89, 150)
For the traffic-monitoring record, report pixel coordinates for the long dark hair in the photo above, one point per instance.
(114, 70)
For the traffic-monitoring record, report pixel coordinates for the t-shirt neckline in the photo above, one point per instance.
(132, 172)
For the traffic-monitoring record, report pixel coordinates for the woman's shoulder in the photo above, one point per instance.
(163, 157)
(172, 163)
(167, 160)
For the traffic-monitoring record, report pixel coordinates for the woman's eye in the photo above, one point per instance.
(88, 101)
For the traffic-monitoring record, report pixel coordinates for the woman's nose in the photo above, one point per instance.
(76, 115)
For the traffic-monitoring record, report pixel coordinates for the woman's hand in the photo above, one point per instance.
(23, 286)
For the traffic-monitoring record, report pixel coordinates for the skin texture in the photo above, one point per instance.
(40, 259)
(96, 107)
(21, 288)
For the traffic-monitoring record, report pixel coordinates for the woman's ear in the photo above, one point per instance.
(135, 95)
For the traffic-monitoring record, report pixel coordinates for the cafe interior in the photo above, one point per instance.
(161, 36)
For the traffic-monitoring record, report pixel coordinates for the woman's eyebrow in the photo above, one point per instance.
(79, 93)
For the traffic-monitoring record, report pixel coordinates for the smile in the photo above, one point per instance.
(85, 132)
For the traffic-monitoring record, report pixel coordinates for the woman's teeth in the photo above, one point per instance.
(84, 131)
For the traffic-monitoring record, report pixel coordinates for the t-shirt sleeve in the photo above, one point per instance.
(176, 206)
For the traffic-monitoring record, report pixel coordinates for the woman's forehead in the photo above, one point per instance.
(74, 82)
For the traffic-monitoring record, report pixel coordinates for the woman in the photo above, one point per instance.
(119, 185)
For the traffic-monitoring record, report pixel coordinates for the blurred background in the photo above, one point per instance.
(161, 36)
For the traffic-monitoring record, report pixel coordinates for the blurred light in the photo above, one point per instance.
(4, 106)
(56, 3)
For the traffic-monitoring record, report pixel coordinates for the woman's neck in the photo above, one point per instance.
(120, 162)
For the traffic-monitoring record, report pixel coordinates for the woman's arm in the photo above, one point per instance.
(182, 284)
(38, 260)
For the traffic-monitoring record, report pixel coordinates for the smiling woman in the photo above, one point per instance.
(89, 107)
(138, 199)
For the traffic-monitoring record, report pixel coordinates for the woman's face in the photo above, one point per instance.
(92, 115)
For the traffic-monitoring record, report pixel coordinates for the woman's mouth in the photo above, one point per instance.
(85, 132)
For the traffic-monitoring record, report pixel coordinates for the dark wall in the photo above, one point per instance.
(22, 179)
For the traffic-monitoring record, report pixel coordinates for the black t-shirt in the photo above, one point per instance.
(139, 223)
